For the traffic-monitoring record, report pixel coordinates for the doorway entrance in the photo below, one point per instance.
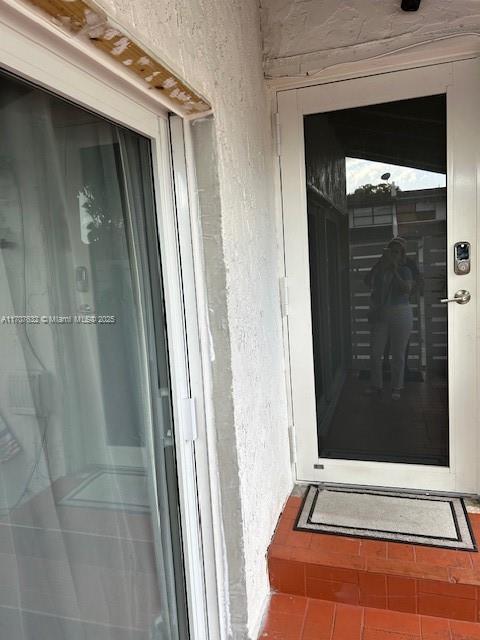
(384, 236)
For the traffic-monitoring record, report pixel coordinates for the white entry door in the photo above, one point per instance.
(380, 201)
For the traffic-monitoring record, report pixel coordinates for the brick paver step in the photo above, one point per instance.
(370, 573)
(292, 617)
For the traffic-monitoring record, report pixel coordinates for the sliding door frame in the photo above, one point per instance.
(36, 52)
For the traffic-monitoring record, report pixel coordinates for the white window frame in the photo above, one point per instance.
(36, 51)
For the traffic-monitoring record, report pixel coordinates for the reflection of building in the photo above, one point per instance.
(410, 206)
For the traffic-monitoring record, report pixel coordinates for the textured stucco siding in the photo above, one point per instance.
(308, 33)
(216, 48)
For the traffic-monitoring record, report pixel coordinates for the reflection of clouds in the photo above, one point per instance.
(360, 172)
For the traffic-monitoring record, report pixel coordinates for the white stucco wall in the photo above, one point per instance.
(216, 48)
(310, 35)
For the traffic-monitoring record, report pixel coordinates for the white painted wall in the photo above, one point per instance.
(216, 47)
(308, 35)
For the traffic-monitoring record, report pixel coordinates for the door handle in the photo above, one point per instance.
(460, 297)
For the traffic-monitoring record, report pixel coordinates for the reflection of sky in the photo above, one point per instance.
(360, 172)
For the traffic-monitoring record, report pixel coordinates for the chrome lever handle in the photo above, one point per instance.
(461, 297)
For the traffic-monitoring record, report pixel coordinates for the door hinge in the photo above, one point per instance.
(276, 129)
(291, 439)
(284, 296)
(190, 432)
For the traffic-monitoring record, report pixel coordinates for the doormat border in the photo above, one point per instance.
(303, 523)
(73, 499)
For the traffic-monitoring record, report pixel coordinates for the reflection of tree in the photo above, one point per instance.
(102, 222)
(372, 190)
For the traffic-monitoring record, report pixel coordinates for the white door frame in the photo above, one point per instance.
(34, 50)
(463, 175)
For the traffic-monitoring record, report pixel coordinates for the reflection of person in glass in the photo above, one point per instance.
(390, 282)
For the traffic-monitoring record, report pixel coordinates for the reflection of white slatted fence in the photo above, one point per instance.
(435, 312)
(430, 316)
(363, 255)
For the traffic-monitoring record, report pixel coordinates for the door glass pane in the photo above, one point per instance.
(89, 534)
(376, 193)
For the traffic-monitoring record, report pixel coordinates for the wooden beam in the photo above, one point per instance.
(82, 19)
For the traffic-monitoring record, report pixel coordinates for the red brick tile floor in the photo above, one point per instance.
(334, 587)
(298, 618)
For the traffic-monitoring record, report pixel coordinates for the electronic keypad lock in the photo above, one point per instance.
(462, 258)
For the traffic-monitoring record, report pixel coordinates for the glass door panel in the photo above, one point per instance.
(377, 224)
(379, 185)
(89, 534)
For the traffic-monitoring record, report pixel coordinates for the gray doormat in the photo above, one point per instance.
(398, 516)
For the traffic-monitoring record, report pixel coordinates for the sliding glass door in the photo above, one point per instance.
(89, 530)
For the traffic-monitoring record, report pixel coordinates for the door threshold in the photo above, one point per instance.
(301, 485)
